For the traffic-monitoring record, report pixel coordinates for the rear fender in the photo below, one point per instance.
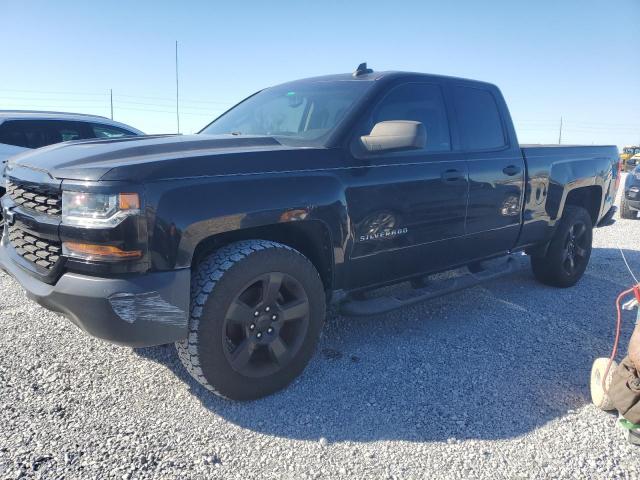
(567, 178)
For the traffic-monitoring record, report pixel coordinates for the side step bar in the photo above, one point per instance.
(427, 289)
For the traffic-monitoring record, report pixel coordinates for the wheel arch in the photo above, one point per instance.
(587, 197)
(312, 238)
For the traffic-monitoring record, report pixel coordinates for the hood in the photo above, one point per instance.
(150, 157)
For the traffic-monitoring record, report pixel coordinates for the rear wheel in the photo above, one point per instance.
(626, 211)
(569, 251)
(257, 310)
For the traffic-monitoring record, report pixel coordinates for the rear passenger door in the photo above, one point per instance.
(407, 208)
(496, 170)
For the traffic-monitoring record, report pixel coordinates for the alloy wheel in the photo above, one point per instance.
(576, 248)
(265, 325)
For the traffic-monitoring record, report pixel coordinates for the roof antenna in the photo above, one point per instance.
(362, 70)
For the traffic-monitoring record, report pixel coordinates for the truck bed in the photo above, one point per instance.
(553, 171)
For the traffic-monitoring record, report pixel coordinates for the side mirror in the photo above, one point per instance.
(395, 135)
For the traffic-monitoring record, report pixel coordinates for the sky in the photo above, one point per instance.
(575, 59)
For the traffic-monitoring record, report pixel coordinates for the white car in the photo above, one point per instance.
(22, 130)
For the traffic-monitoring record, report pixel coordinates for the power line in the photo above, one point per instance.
(53, 93)
(72, 100)
(116, 102)
(164, 99)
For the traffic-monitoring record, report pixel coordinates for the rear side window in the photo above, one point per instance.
(420, 103)
(478, 118)
(40, 133)
(108, 131)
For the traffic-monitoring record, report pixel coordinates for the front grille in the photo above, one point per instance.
(34, 198)
(38, 251)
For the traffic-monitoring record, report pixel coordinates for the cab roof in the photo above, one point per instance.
(375, 76)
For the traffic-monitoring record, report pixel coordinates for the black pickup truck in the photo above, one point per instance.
(231, 242)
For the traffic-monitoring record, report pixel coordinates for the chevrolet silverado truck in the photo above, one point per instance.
(232, 242)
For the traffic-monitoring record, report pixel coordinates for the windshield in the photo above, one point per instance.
(302, 114)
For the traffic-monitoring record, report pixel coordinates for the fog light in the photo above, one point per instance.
(108, 253)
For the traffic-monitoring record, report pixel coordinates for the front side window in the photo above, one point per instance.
(70, 133)
(420, 103)
(478, 118)
(304, 113)
(40, 133)
(108, 131)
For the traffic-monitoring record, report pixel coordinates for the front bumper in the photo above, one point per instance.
(137, 310)
(632, 194)
(634, 204)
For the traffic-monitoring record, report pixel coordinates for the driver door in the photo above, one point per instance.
(407, 208)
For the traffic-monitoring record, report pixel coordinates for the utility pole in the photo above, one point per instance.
(177, 92)
(111, 96)
(560, 135)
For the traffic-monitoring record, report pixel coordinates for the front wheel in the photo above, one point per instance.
(257, 310)
(569, 251)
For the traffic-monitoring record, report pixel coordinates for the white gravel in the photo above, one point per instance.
(489, 383)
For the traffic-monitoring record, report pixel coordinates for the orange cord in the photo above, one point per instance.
(614, 352)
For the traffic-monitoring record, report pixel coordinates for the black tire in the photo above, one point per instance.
(569, 251)
(625, 211)
(268, 283)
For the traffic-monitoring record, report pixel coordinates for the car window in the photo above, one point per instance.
(109, 131)
(68, 133)
(478, 118)
(417, 102)
(40, 133)
(304, 113)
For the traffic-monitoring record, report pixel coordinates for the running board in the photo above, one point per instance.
(427, 288)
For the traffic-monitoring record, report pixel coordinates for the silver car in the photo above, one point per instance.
(22, 130)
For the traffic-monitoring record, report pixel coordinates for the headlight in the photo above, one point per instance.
(98, 210)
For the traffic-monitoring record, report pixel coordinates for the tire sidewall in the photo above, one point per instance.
(556, 248)
(213, 361)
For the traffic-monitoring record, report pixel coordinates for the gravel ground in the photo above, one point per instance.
(489, 383)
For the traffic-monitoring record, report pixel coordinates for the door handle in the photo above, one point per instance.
(452, 175)
(511, 170)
